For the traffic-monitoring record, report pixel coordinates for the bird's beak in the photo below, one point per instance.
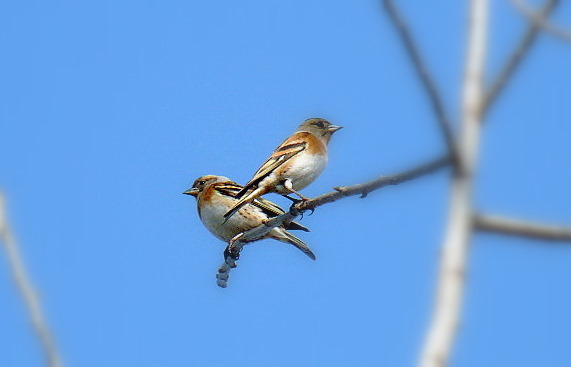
(334, 128)
(193, 192)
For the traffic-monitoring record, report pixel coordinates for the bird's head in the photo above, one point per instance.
(319, 127)
(202, 182)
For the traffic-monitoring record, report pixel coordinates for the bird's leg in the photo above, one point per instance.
(296, 201)
(289, 186)
(231, 251)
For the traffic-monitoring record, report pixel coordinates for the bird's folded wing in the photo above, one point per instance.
(228, 188)
(272, 210)
(287, 150)
(267, 207)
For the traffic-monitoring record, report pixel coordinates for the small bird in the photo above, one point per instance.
(216, 195)
(294, 164)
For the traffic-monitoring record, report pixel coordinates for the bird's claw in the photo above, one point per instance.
(311, 211)
(232, 253)
(295, 211)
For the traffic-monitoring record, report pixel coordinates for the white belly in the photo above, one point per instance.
(244, 219)
(305, 169)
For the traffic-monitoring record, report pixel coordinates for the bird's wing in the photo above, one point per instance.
(228, 188)
(295, 226)
(272, 210)
(267, 207)
(283, 153)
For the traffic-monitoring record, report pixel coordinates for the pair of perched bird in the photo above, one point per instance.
(228, 209)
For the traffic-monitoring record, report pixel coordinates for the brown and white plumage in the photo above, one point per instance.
(216, 195)
(293, 165)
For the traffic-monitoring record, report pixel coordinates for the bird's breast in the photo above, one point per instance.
(305, 168)
(212, 216)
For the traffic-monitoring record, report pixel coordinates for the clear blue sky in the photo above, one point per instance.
(110, 109)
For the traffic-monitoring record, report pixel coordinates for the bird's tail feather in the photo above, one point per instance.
(284, 236)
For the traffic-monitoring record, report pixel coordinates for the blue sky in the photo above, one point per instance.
(112, 108)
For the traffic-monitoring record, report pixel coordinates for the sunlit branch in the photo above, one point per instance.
(27, 291)
(453, 265)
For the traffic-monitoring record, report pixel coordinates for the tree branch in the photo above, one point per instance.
(517, 55)
(363, 189)
(541, 21)
(515, 227)
(237, 243)
(424, 76)
(27, 290)
(450, 289)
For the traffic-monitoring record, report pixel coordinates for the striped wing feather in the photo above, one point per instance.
(287, 150)
(267, 207)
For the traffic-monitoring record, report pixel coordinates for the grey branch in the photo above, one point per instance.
(541, 21)
(517, 55)
(363, 189)
(515, 227)
(27, 290)
(424, 76)
(237, 243)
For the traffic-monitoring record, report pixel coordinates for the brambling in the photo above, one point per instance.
(217, 194)
(293, 165)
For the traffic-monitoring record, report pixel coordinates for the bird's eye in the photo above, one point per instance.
(319, 124)
(202, 182)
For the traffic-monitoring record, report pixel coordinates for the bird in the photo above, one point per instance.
(216, 195)
(293, 165)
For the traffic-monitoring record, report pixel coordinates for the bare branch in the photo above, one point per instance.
(515, 227)
(236, 245)
(453, 265)
(27, 290)
(365, 188)
(541, 21)
(517, 55)
(423, 75)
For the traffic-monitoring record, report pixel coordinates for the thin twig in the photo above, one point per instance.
(451, 279)
(541, 21)
(515, 227)
(365, 188)
(237, 243)
(27, 290)
(424, 76)
(340, 192)
(516, 56)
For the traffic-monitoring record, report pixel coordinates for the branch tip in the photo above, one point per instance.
(517, 55)
(424, 76)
